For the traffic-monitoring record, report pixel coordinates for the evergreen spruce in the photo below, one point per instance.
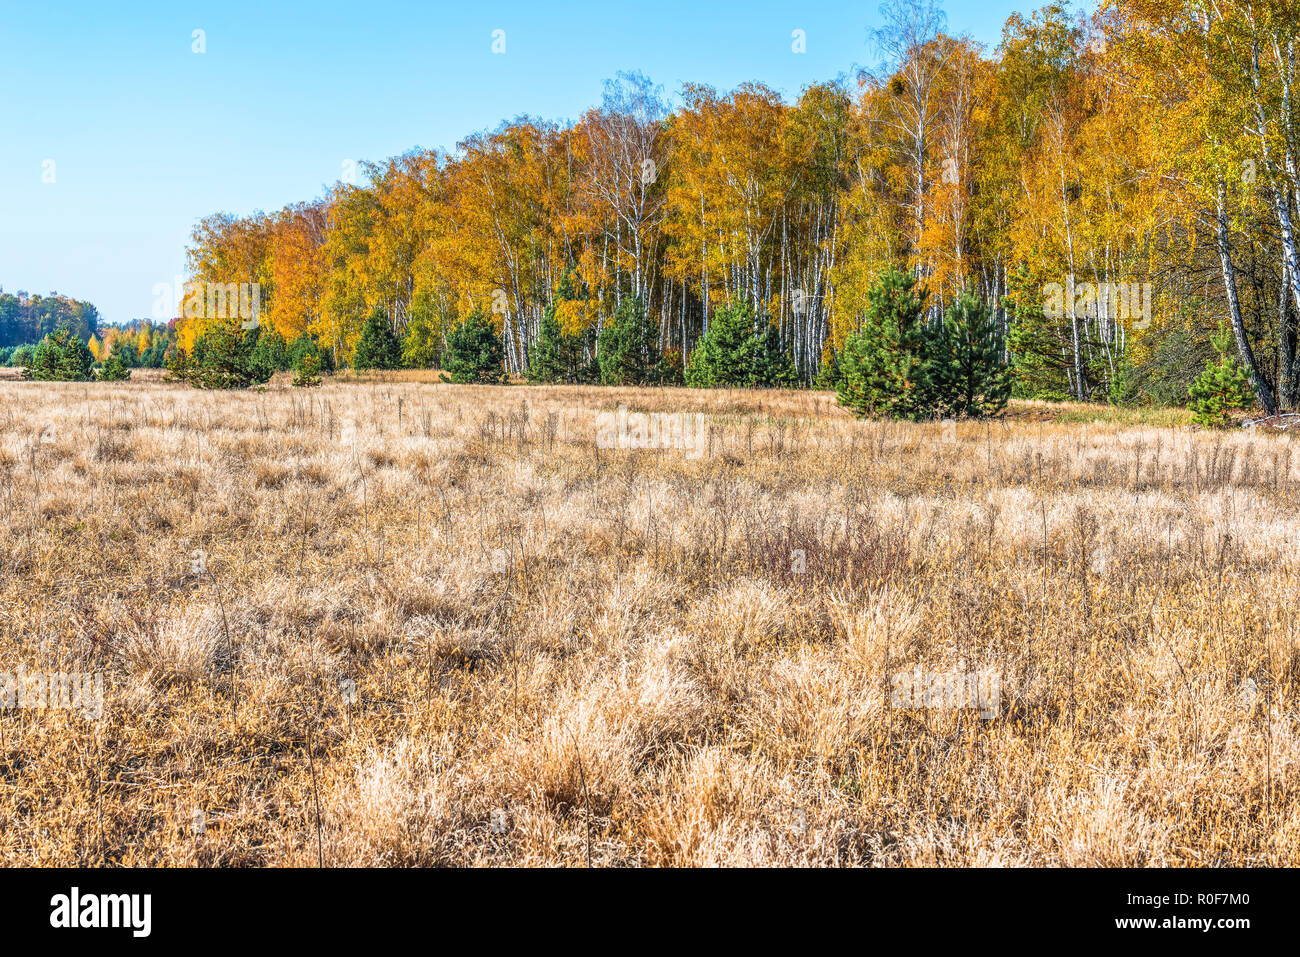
(377, 348)
(474, 352)
(62, 357)
(963, 373)
(882, 363)
(627, 352)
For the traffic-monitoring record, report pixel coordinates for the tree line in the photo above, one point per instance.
(26, 319)
(1112, 187)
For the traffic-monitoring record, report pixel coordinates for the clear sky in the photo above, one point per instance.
(142, 136)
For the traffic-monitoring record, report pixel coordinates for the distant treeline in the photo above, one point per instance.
(140, 343)
(28, 319)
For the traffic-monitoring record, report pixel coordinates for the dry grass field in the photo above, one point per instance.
(401, 623)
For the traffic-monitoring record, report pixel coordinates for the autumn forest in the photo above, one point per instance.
(1150, 147)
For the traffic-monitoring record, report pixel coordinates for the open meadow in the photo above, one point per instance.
(395, 622)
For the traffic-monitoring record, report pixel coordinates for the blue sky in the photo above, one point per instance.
(147, 136)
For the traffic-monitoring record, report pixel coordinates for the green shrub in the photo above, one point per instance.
(627, 352)
(62, 356)
(474, 352)
(114, 369)
(377, 348)
(1221, 389)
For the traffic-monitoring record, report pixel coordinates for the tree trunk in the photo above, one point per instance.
(1247, 354)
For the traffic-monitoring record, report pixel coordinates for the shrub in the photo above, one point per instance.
(114, 369)
(62, 356)
(307, 372)
(627, 352)
(377, 348)
(882, 364)
(1222, 388)
(474, 352)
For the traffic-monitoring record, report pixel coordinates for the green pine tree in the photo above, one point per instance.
(474, 352)
(963, 373)
(306, 345)
(1039, 354)
(882, 363)
(114, 368)
(269, 354)
(22, 356)
(627, 352)
(557, 356)
(222, 358)
(773, 366)
(62, 357)
(127, 354)
(307, 372)
(1222, 388)
(377, 348)
(829, 376)
(545, 361)
(726, 355)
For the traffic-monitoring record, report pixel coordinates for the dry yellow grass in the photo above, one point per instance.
(562, 653)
